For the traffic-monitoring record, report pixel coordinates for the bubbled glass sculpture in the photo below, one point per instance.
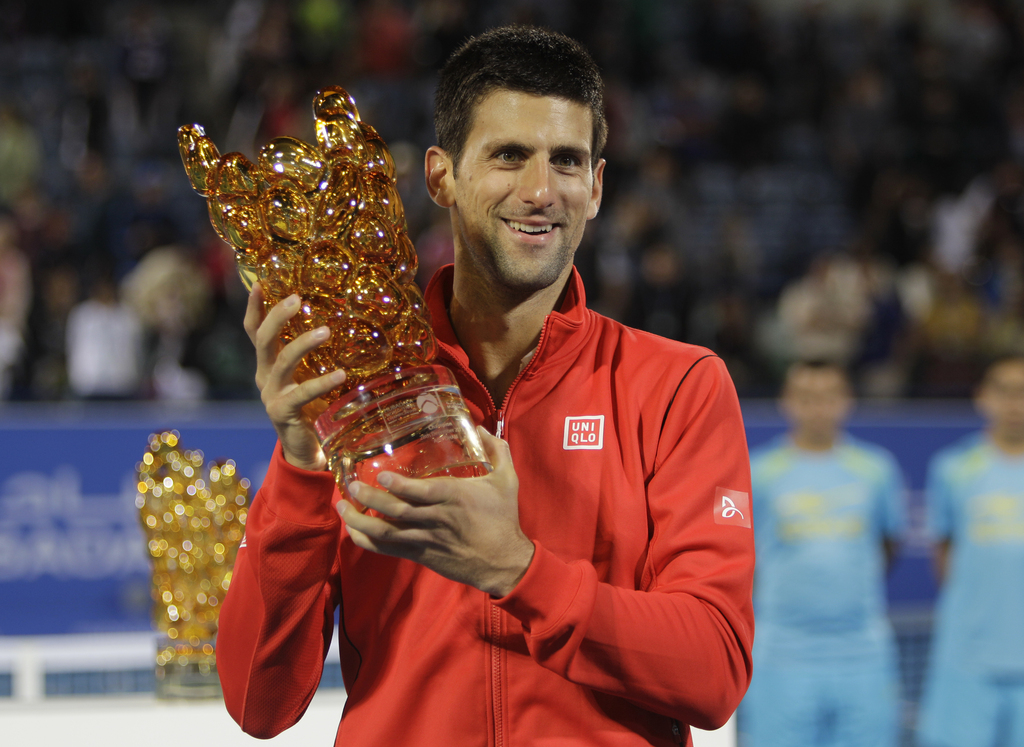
(325, 221)
(193, 515)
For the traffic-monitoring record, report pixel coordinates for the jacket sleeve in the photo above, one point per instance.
(278, 616)
(680, 644)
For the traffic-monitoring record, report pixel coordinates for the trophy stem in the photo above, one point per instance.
(413, 422)
(186, 671)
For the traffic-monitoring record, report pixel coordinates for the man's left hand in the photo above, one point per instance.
(464, 528)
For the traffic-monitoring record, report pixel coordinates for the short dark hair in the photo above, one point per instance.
(525, 59)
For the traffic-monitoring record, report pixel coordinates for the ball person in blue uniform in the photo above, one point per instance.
(974, 691)
(828, 512)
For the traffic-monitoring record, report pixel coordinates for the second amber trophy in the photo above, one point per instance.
(193, 515)
(326, 222)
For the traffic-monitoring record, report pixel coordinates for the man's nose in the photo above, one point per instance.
(535, 183)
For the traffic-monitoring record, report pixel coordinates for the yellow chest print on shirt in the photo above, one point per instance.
(821, 515)
(996, 518)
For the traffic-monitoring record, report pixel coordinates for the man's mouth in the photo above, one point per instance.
(530, 228)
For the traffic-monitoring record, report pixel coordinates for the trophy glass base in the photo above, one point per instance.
(413, 422)
(186, 672)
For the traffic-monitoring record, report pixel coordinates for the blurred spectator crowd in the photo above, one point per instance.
(782, 183)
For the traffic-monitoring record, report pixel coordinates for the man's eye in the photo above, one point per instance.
(566, 161)
(508, 156)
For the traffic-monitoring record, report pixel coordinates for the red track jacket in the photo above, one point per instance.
(633, 620)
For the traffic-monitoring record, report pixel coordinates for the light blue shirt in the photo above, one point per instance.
(976, 499)
(819, 522)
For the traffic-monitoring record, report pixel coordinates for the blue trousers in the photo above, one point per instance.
(961, 708)
(846, 704)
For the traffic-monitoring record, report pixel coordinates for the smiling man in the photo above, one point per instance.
(594, 589)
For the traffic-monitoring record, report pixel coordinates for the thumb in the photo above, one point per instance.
(497, 450)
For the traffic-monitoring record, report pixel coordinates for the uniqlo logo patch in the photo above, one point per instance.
(585, 432)
(732, 507)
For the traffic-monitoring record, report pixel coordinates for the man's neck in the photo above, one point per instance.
(499, 334)
(820, 441)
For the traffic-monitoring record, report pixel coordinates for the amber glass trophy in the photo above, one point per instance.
(326, 222)
(193, 516)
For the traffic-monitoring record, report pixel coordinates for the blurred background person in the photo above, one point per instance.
(974, 693)
(825, 312)
(828, 512)
(20, 154)
(170, 295)
(104, 345)
(56, 294)
(15, 299)
(662, 295)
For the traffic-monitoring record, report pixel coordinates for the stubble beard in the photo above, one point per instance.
(521, 279)
(515, 277)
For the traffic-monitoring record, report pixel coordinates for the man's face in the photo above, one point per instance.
(1001, 397)
(524, 191)
(816, 400)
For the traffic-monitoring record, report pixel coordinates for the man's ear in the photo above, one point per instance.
(596, 191)
(438, 170)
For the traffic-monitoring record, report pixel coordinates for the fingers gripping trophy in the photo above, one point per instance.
(326, 222)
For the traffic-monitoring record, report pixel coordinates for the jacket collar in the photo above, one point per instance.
(558, 339)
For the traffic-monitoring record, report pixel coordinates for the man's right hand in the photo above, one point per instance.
(275, 377)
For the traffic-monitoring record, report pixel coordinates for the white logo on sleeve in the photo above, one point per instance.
(732, 508)
(585, 432)
(729, 509)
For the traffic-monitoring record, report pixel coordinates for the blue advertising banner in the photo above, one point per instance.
(72, 553)
(73, 556)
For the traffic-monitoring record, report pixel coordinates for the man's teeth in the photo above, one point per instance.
(528, 228)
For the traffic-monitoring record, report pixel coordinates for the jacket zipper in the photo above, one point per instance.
(677, 732)
(499, 427)
(499, 412)
(494, 639)
(497, 694)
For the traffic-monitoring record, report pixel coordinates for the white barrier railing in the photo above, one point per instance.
(45, 721)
